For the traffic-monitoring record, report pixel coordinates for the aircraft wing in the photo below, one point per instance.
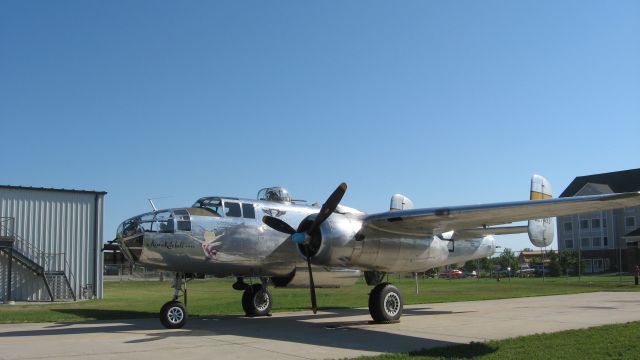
(480, 232)
(435, 221)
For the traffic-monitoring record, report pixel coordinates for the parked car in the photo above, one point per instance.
(502, 273)
(452, 274)
(471, 274)
(526, 271)
(540, 270)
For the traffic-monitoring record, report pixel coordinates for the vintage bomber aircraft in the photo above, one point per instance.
(264, 239)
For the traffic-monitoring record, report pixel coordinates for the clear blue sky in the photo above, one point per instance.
(448, 102)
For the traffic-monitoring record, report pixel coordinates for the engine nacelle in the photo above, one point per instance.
(332, 244)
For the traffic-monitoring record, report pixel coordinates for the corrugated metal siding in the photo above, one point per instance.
(57, 223)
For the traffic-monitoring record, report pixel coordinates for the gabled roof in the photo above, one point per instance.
(618, 181)
(52, 189)
(594, 189)
(634, 234)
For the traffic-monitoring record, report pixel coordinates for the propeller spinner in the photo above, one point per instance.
(303, 237)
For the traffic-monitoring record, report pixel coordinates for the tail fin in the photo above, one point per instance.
(541, 231)
(400, 202)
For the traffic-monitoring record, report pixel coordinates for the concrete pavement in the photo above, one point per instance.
(329, 334)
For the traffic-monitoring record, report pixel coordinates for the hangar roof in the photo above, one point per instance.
(52, 189)
(618, 181)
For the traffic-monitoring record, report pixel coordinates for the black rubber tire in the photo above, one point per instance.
(385, 303)
(173, 315)
(257, 301)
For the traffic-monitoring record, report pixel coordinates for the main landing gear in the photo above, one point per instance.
(256, 298)
(385, 303)
(385, 300)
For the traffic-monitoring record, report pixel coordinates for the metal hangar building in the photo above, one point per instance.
(50, 244)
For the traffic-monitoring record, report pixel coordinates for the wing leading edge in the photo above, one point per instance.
(435, 221)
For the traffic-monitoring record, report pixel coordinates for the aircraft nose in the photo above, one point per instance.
(130, 236)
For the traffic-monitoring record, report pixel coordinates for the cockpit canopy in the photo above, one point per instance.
(276, 193)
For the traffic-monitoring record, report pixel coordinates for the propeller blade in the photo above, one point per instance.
(278, 225)
(329, 206)
(312, 287)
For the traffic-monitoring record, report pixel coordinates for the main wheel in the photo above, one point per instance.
(257, 301)
(173, 315)
(385, 303)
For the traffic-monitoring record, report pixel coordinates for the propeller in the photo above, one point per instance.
(304, 237)
(277, 224)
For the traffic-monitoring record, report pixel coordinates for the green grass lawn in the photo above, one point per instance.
(135, 299)
(619, 341)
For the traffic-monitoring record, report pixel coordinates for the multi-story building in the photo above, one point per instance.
(605, 239)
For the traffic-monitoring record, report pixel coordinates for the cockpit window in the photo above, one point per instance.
(232, 209)
(248, 212)
(159, 221)
(212, 204)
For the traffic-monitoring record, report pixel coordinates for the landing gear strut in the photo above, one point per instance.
(385, 303)
(173, 314)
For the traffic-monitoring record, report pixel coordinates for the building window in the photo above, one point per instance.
(630, 221)
(605, 241)
(584, 224)
(595, 223)
(604, 223)
(568, 227)
(598, 265)
(584, 243)
(568, 243)
(597, 242)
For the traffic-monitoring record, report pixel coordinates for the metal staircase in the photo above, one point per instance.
(52, 267)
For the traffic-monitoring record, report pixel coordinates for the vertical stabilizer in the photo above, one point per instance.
(400, 202)
(541, 231)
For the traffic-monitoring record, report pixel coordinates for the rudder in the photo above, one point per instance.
(541, 231)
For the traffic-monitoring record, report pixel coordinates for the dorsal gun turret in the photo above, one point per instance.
(275, 193)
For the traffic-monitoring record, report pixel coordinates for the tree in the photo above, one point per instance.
(554, 265)
(486, 265)
(535, 260)
(508, 259)
(470, 266)
(569, 261)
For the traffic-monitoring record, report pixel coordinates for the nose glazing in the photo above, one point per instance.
(130, 238)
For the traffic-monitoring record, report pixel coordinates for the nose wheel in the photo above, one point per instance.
(385, 303)
(173, 314)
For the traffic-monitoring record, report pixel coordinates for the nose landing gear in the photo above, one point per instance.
(173, 314)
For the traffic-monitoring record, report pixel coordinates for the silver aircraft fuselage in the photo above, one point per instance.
(226, 237)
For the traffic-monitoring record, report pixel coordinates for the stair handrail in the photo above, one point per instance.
(34, 253)
(67, 270)
(29, 250)
(6, 226)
